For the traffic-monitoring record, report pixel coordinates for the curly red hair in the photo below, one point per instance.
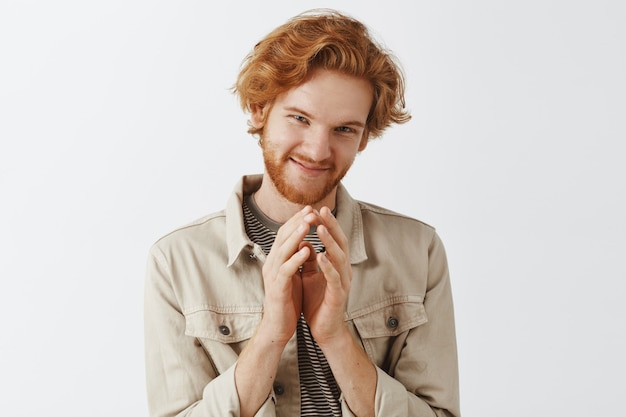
(324, 39)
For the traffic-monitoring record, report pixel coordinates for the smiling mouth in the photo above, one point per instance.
(311, 168)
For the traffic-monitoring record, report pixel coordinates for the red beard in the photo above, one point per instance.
(307, 195)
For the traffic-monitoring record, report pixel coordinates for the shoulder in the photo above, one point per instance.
(198, 230)
(389, 217)
(386, 229)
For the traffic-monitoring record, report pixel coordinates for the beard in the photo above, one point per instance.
(309, 194)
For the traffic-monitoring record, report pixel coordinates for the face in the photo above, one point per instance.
(313, 133)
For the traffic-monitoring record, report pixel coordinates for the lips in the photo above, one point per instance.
(311, 168)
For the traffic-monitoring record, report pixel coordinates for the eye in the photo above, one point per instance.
(300, 118)
(345, 129)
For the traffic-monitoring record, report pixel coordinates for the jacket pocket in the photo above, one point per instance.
(222, 325)
(390, 317)
(384, 326)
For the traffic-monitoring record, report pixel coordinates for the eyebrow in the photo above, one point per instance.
(306, 114)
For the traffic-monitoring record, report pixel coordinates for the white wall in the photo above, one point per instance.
(116, 125)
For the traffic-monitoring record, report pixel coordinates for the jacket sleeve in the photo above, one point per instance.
(424, 381)
(180, 377)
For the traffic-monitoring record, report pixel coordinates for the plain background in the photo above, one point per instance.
(117, 125)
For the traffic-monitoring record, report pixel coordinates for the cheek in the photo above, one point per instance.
(344, 157)
(284, 136)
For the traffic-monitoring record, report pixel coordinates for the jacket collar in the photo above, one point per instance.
(348, 216)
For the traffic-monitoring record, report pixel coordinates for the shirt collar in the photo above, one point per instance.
(348, 216)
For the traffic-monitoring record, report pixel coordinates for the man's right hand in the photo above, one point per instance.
(281, 275)
(258, 362)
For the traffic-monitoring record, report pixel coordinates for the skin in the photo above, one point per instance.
(311, 135)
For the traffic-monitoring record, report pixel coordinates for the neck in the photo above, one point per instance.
(278, 208)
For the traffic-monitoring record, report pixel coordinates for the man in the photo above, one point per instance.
(297, 300)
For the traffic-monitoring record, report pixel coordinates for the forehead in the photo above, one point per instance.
(331, 95)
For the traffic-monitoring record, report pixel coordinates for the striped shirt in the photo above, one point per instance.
(319, 393)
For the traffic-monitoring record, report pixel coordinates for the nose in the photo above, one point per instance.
(318, 145)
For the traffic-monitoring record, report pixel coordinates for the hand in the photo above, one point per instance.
(326, 280)
(281, 276)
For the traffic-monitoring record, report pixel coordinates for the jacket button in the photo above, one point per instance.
(224, 330)
(392, 323)
(279, 389)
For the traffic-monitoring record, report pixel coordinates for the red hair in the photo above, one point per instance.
(329, 40)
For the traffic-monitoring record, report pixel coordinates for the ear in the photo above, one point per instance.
(257, 116)
(365, 138)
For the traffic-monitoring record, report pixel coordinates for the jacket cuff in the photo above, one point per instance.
(391, 396)
(345, 410)
(222, 397)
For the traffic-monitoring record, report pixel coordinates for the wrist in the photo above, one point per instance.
(339, 341)
(268, 337)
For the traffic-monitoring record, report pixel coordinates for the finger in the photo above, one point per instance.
(334, 285)
(287, 242)
(333, 249)
(294, 263)
(310, 264)
(313, 218)
(335, 230)
(293, 224)
(286, 246)
(335, 255)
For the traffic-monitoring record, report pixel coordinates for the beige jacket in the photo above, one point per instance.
(204, 299)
